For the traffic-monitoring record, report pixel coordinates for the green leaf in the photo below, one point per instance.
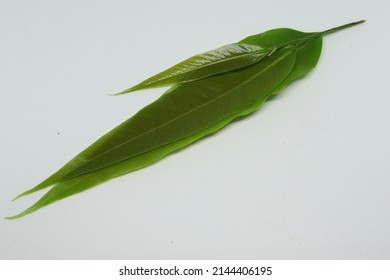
(227, 58)
(203, 65)
(230, 57)
(185, 113)
(307, 57)
(175, 116)
(83, 182)
(265, 40)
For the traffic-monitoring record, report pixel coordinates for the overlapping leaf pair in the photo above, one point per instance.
(207, 92)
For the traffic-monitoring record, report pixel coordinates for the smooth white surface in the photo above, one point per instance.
(305, 177)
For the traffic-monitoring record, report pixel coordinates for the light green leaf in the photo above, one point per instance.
(229, 57)
(224, 59)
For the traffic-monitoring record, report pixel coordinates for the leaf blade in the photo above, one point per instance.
(241, 54)
(227, 58)
(266, 40)
(156, 126)
(84, 182)
(221, 60)
(78, 175)
(154, 122)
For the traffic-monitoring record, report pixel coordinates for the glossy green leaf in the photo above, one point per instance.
(227, 58)
(186, 113)
(224, 59)
(230, 57)
(86, 181)
(175, 116)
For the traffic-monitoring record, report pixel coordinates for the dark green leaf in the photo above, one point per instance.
(186, 113)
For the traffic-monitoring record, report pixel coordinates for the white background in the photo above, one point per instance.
(305, 177)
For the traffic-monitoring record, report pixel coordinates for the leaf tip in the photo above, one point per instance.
(21, 195)
(116, 94)
(14, 217)
(16, 197)
(24, 213)
(124, 91)
(10, 218)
